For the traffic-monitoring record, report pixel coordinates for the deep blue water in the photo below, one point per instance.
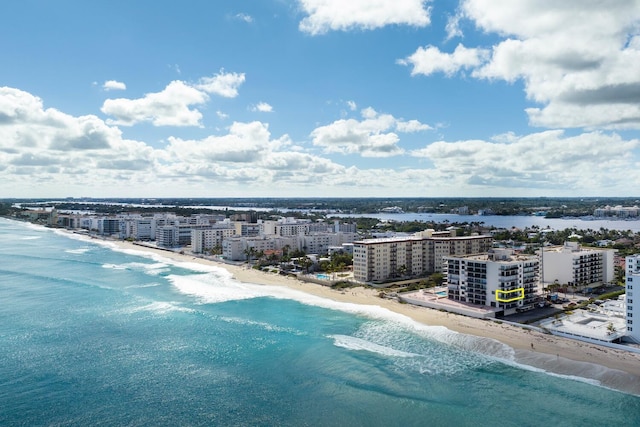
(93, 336)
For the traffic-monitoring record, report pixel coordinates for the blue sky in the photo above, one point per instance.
(319, 98)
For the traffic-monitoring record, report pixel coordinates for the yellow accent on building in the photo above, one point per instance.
(518, 291)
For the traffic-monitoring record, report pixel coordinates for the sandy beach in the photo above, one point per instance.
(613, 368)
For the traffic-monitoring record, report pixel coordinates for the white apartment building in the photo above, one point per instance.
(249, 229)
(378, 260)
(170, 236)
(632, 310)
(167, 236)
(204, 238)
(144, 228)
(137, 227)
(573, 265)
(297, 228)
(108, 226)
(618, 211)
(319, 243)
(234, 247)
(499, 279)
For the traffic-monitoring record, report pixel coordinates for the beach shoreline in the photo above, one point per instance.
(612, 368)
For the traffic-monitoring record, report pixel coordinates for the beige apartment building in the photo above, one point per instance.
(386, 259)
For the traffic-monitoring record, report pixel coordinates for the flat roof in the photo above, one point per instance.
(593, 325)
(428, 295)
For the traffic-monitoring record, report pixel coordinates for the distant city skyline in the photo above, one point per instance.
(320, 98)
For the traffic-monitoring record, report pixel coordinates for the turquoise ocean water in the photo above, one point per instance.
(94, 336)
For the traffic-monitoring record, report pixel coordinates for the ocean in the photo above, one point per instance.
(93, 335)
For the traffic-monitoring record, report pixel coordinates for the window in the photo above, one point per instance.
(629, 279)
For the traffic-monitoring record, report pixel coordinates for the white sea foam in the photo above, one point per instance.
(214, 287)
(30, 237)
(353, 343)
(262, 325)
(144, 285)
(151, 269)
(114, 266)
(160, 307)
(79, 251)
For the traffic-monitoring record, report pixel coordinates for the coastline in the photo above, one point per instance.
(611, 368)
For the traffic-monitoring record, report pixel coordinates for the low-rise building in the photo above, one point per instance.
(235, 248)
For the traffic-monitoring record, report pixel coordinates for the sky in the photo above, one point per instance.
(319, 98)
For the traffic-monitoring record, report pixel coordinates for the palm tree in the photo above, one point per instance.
(305, 262)
(250, 252)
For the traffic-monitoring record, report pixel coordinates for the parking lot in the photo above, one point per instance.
(534, 314)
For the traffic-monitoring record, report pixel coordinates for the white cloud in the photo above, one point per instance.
(411, 126)
(453, 27)
(579, 61)
(340, 15)
(428, 60)
(66, 155)
(244, 17)
(547, 160)
(262, 107)
(247, 154)
(371, 137)
(56, 149)
(222, 84)
(221, 115)
(173, 106)
(114, 85)
(352, 105)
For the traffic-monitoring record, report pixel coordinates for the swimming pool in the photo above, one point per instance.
(441, 293)
(322, 276)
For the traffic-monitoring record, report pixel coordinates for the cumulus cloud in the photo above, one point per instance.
(428, 60)
(248, 153)
(578, 60)
(170, 107)
(352, 105)
(453, 26)
(174, 105)
(546, 160)
(113, 85)
(222, 84)
(338, 15)
(51, 146)
(80, 155)
(60, 152)
(262, 107)
(371, 137)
